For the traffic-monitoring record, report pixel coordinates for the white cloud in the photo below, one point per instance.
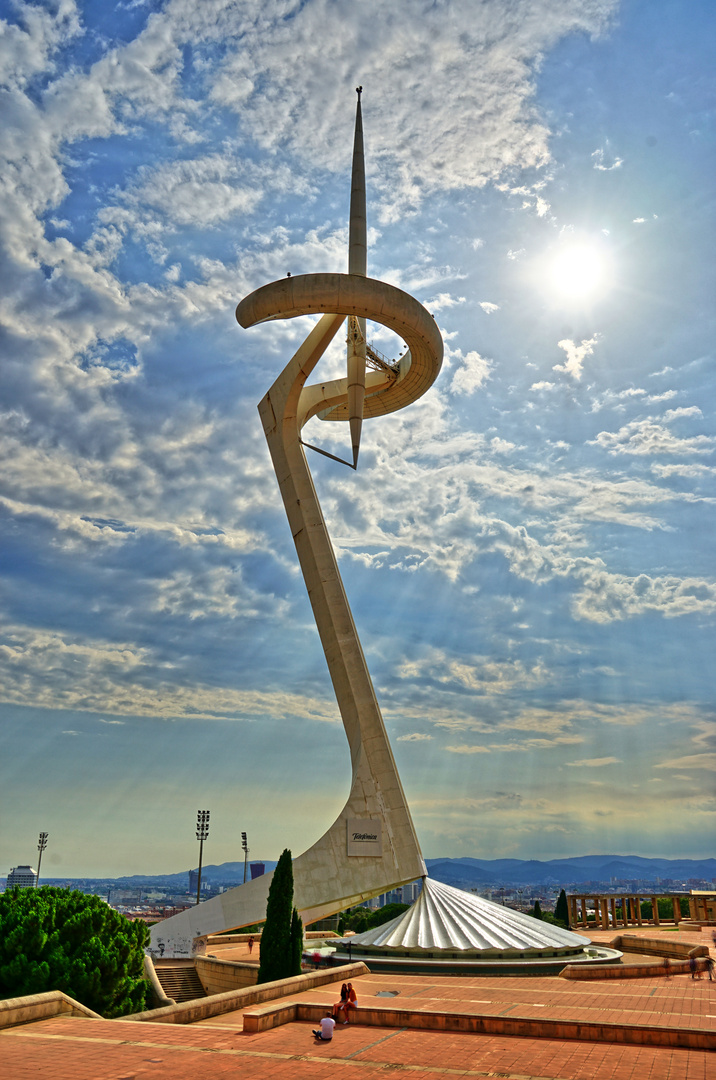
(595, 763)
(442, 301)
(473, 372)
(691, 761)
(576, 354)
(653, 436)
(605, 161)
(488, 307)
(414, 736)
(463, 748)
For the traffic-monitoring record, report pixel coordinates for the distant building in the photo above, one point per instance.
(193, 881)
(24, 877)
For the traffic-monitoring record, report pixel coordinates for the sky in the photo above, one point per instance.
(528, 549)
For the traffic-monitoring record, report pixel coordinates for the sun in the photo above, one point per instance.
(579, 271)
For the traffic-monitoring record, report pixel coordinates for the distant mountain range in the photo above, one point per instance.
(469, 873)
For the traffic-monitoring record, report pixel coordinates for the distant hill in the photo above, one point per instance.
(467, 872)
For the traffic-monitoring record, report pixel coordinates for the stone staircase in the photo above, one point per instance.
(179, 980)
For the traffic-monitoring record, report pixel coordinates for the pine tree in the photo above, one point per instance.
(561, 909)
(537, 910)
(296, 943)
(276, 947)
(54, 939)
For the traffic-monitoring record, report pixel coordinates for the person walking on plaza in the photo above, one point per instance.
(251, 944)
(692, 966)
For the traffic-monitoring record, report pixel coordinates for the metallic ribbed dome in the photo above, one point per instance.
(447, 919)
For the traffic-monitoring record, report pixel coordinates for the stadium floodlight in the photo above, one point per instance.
(245, 849)
(41, 845)
(202, 833)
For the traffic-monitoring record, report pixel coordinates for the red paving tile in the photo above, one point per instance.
(80, 1049)
(70, 1048)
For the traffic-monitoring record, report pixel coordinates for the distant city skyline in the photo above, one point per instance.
(534, 586)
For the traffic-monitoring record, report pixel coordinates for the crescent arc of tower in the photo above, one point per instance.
(372, 846)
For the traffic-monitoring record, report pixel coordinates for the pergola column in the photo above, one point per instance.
(613, 906)
(655, 910)
(676, 904)
(637, 901)
(625, 912)
(584, 911)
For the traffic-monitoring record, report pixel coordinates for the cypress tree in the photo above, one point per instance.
(561, 909)
(296, 943)
(537, 910)
(276, 951)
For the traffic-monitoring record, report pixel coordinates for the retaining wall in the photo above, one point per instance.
(189, 1012)
(24, 1010)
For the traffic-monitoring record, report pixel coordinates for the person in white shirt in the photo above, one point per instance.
(327, 1026)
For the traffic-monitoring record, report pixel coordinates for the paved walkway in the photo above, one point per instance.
(78, 1049)
(82, 1049)
(74, 1048)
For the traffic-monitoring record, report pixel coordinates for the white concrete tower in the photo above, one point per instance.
(372, 845)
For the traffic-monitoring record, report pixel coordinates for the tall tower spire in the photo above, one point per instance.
(357, 243)
(357, 264)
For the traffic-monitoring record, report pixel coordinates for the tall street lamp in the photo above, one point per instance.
(245, 849)
(202, 832)
(41, 845)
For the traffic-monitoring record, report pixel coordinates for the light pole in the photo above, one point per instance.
(202, 832)
(41, 845)
(245, 849)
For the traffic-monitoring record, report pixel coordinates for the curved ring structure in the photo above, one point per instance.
(352, 294)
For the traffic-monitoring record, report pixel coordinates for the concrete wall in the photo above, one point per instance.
(23, 1010)
(190, 1011)
(388, 1016)
(218, 976)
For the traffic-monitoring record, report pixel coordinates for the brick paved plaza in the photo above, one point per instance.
(75, 1048)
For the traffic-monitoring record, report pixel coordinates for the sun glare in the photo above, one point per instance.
(579, 271)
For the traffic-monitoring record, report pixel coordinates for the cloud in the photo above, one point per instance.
(576, 354)
(488, 307)
(609, 597)
(442, 301)
(595, 763)
(463, 748)
(473, 372)
(654, 436)
(690, 761)
(414, 736)
(50, 670)
(605, 161)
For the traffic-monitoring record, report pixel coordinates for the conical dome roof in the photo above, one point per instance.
(448, 919)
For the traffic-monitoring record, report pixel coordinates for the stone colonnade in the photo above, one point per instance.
(605, 909)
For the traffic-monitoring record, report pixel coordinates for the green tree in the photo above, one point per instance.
(385, 914)
(561, 909)
(296, 943)
(54, 939)
(536, 911)
(360, 919)
(276, 951)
